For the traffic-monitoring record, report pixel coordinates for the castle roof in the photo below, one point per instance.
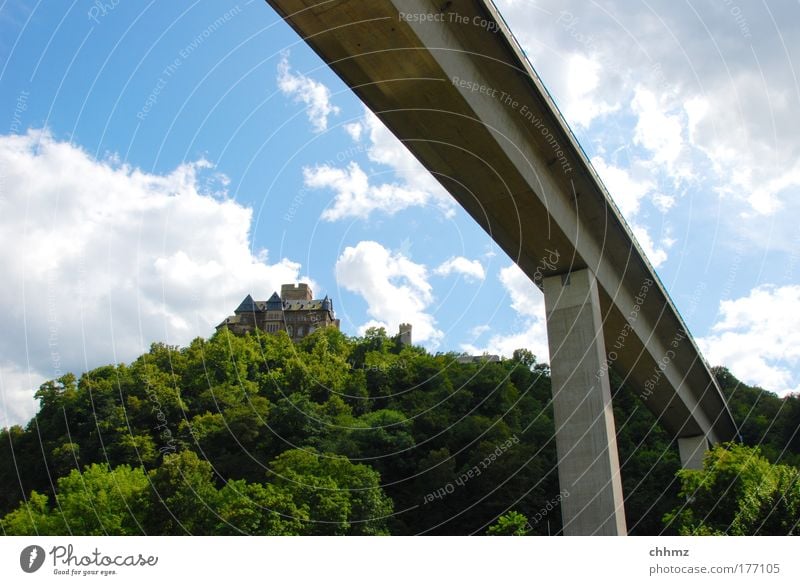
(232, 320)
(274, 303)
(248, 305)
(313, 305)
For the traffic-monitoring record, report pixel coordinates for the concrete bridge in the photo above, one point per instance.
(450, 81)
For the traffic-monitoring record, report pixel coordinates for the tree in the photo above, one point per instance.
(256, 509)
(183, 497)
(509, 524)
(32, 518)
(524, 357)
(102, 501)
(738, 492)
(97, 501)
(341, 497)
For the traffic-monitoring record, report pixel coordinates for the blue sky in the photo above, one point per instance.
(160, 161)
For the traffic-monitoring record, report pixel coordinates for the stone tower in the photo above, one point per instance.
(405, 333)
(296, 292)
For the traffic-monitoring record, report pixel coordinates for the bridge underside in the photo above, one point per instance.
(456, 89)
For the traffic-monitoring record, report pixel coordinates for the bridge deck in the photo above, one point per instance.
(449, 80)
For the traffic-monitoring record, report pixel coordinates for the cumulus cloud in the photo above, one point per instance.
(357, 196)
(758, 338)
(581, 104)
(16, 394)
(470, 269)
(102, 259)
(395, 289)
(531, 331)
(626, 191)
(657, 130)
(526, 298)
(655, 253)
(722, 72)
(302, 89)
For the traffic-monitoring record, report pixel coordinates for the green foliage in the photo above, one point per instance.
(97, 501)
(509, 524)
(737, 492)
(342, 497)
(256, 434)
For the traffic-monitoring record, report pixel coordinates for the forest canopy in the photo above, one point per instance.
(339, 435)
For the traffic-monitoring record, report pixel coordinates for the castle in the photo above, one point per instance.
(295, 311)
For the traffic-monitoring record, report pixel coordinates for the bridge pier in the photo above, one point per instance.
(588, 463)
(692, 450)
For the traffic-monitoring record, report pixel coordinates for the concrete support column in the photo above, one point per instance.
(692, 450)
(588, 463)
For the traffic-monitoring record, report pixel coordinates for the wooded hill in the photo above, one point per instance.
(339, 435)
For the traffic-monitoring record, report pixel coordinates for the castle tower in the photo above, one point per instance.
(296, 292)
(405, 333)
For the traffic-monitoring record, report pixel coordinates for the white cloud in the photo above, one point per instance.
(748, 132)
(656, 129)
(479, 330)
(725, 78)
(103, 259)
(526, 298)
(765, 197)
(471, 269)
(355, 196)
(656, 254)
(354, 130)
(663, 202)
(696, 108)
(302, 89)
(626, 191)
(17, 385)
(582, 105)
(758, 338)
(395, 289)
(531, 331)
